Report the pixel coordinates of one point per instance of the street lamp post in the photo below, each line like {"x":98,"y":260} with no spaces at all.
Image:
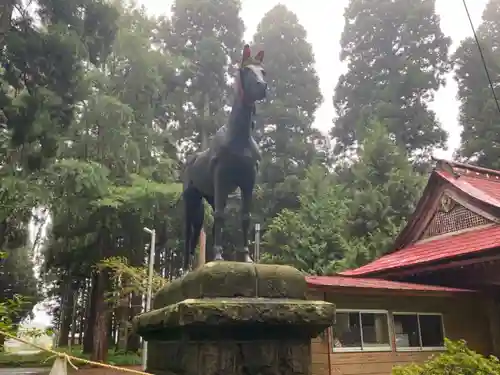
{"x":152,"y":232}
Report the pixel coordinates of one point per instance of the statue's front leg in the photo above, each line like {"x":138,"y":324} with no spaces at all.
{"x":246,"y":205}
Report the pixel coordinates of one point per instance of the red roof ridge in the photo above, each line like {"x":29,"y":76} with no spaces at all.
{"x":467,"y":187}
{"x":458,"y":169}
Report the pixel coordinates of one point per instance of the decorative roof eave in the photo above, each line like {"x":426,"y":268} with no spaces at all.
{"x":444,"y":178}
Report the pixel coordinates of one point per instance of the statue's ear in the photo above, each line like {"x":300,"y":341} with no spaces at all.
{"x":260,"y":57}
{"x":246,"y":54}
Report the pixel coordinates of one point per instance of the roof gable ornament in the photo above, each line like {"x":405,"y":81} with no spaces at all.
{"x":445,"y":166}
{"x":446,"y":203}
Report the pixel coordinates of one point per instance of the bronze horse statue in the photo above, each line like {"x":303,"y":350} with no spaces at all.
{"x":230,"y":162}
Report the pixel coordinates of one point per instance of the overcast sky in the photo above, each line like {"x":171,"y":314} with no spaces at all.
{"x":323,"y":20}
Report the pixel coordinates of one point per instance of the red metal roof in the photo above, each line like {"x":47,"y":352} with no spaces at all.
{"x":482,"y":188}
{"x":451,"y":246}
{"x":365,"y":283}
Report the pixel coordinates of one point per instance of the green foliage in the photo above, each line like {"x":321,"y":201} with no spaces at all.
{"x":129,"y":279}
{"x":310,"y":238}
{"x":397,"y":57}
{"x":457,"y":360}
{"x":19,"y":289}
{"x":8,"y":309}
{"x":39,"y":99}
{"x":347,"y":220}
{"x":478,"y":111}
{"x":383,"y":189}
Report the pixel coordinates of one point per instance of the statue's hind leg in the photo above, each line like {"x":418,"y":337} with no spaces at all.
{"x":221,"y":192}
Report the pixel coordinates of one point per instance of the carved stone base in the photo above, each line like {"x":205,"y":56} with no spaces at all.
{"x":230,"y":318}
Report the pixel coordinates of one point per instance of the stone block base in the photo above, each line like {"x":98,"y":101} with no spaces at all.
{"x":269,"y":357}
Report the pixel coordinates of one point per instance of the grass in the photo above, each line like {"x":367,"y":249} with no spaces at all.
{"x":9,"y":360}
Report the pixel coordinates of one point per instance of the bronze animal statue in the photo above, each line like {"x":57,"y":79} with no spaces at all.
{"x":230,"y":162}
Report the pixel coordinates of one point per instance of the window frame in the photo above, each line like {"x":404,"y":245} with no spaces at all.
{"x":420,"y":348}
{"x":360,"y":349}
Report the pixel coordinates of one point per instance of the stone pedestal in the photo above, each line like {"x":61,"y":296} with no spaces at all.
{"x":229,"y":318}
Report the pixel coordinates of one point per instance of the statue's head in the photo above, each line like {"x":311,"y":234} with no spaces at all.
{"x":253,"y":85}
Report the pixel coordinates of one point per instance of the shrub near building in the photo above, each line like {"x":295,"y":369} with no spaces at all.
{"x":457,"y":359}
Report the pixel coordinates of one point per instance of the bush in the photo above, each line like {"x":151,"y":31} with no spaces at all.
{"x":456,"y":360}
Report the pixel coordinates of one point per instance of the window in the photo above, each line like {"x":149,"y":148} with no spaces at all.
{"x":361,"y":330}
{"x":418,"y":331}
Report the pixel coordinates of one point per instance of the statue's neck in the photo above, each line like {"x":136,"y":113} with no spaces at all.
{"x":240,"y":120}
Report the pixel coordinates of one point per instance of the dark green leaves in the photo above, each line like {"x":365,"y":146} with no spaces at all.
{"x":397,"y":57}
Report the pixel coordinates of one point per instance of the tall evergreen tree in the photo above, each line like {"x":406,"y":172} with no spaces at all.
{"x":114,"y":176}
{"x":209,"y":34}
{"x":288,"y":142}
{"x":397,"y":57}
{"x":43,"y":56}
{"x":384,"y":190}
{"x":479,"y":115}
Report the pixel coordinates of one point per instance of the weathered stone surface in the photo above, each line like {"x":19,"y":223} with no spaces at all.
{"x":213,"y":313}
{"x":169,"y":294}
{"x":234,"y":279}
{"x":278,"y":281}
{"x":270,"y":357}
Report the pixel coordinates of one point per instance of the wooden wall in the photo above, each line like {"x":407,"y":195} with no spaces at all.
{"x":464,"y":318}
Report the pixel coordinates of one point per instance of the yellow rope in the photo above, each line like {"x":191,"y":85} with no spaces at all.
{"x":70,"y":358}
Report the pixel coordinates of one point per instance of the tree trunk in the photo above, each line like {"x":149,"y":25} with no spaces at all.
{"x":134,"y":341}
{"x":158,"y":260}
{"x":122,"y":316}
{"x":90,"y":317}
{"x":76,"y":295}
{"x":3,"y":230}
{"x":83,"y":311}
{"x":100,"y":340}
{"x":67,"y":313}
{"x":111,"y":327}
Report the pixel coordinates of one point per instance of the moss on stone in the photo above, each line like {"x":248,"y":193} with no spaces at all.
{"x":169,"y":294}
{"x":236,"y":311}
{"x":221,"y":279}
{"x":234,"y":279}
{"x":278,"y":281}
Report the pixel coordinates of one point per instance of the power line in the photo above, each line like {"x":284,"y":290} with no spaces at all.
{"x":482,"y":56}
